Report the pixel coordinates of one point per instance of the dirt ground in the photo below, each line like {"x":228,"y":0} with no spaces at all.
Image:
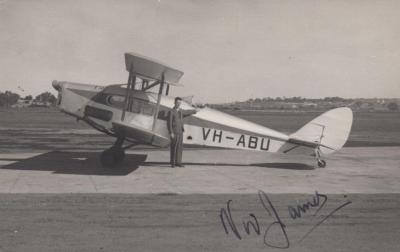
{"x":126,"y":222}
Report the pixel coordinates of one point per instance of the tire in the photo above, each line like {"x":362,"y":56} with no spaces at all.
{"x":107,"y":158}
{"x":321,"y":163}
{"x":119,"y":155}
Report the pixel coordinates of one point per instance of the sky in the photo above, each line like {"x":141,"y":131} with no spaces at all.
{"x":229,"y":50}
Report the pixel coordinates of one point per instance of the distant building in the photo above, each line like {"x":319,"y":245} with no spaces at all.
{"x":22,"y":103}
{"x":309,"y":105}
{"x":40,"y":104}
{"x":25,"y":103}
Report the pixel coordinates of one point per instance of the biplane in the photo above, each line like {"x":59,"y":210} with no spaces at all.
{"x":135,"y":113}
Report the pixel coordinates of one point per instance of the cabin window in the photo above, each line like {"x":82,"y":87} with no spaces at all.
{"x":136,"y":106}
{"x":162,"y":115}
{"x":116,"y":101}
{"x":102,"y":98}
{"x":147,"y":108}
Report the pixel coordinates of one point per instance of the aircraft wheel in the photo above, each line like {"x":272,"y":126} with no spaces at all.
{"x":112,"y":157}
{"x":119,"y":155}
{"x":321,"y":163}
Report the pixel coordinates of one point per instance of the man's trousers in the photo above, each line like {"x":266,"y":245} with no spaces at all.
{"x":176,"y":149}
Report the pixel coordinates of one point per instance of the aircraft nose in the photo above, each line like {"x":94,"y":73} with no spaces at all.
{"x":56,"y":85}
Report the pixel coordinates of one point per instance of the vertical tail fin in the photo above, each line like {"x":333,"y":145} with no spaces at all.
{"x":330,"y":129}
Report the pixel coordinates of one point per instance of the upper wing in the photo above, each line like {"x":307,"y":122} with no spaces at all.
{"x":147,"y":68}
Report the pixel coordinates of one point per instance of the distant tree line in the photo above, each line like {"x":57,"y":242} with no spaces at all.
{"x":299,"y":99}
{"x":298,"y":102}
{"x":393,"y":106}
{"x":9,"y":98}
{"x":46,"y":97}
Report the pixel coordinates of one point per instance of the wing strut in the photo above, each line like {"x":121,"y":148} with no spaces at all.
{"x":129,"y":88}
{"x":158,"y":101}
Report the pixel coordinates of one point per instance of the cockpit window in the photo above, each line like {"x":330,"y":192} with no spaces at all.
{"x":147,"y":109}
{"x":116,"y":101}
{"x":135,"y":105}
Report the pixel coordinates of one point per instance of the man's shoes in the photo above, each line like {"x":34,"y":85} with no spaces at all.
{"x":177,"y":165}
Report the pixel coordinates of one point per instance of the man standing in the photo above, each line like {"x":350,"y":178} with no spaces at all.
{"x":175,"y":128}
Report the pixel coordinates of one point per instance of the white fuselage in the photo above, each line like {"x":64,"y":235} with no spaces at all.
{"x":102,"y":106}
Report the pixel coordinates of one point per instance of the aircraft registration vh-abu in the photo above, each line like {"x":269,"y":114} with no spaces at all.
{"x":133,"y":114}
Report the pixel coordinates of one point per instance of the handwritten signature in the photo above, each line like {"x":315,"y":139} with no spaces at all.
{"x":318,"y":202}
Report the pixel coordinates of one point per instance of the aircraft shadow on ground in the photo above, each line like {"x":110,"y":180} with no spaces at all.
{"x":87,"y":163}
{"x":289,"y":166}
{"x":80,"y":163}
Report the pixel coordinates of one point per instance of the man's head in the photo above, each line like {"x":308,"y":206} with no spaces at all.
{"x":178,"y":101}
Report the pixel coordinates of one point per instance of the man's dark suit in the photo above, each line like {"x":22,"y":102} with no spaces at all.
{"x":175,"y":126}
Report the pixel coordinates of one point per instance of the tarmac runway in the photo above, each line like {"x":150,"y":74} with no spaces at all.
{"x":65,"y":201}
{"x":207,"y":171}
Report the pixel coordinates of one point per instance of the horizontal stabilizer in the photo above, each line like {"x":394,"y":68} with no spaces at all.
{"x":306,"y":143}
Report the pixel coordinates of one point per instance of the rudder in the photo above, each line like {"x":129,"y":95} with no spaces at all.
{"x":330,"y":129}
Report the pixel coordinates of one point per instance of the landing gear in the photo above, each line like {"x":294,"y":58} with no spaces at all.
{"x":114,"y":155}
{"x":320,"y":162}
